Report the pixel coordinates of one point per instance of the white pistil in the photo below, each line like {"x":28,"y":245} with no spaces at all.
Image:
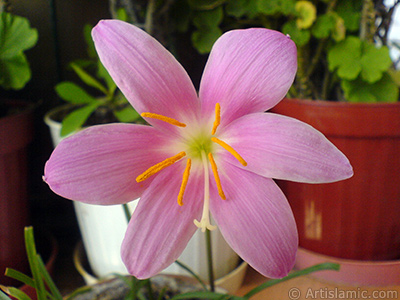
{"x":205,"y":218}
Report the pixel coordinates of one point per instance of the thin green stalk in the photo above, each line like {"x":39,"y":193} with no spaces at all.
{"x":150,"y":289}
{"x":210,"y":260}
{"x":186,"y":268}
{"x":127,"y":212}
{"x":34,"y":264}
{"x":148,"y":24}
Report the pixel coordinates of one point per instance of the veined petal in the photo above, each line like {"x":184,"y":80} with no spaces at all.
{"x":248,"y":71}
{"x":281,"y":147}
{"x":160,"y":229}
{"x":99,"y":165}
{"x":256,"y":221}
{"x":148,"y":75}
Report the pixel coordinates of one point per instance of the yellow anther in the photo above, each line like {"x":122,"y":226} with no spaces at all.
{"x":216,"y":176}
{"x":160,"y":166}
{"x":217,"y":118}
{"x":230,"y":150}
{"x":185,"y":179}
{"x":163,"y":118}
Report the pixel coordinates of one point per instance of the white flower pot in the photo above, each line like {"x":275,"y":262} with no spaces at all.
{"x":103,"y":228}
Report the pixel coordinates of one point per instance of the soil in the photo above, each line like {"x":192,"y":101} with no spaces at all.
{"x":118,"y":288}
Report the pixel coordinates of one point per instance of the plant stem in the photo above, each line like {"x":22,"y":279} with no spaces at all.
{"x":367,"y":26}
{"x":321,"y":46}
{"x":210,"y":260}
{"x":302,"y":84}
{"x":148,"y":23}
{"x":186,"y":268}
{"x":127,"y":212}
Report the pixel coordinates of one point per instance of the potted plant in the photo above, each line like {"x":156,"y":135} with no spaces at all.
{"x":16,"y":123}
{"x":103,"y":241}
{"x":161,"y":287}
{"x":347,"y":87}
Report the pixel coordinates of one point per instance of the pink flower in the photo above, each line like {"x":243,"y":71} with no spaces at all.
{"x":213,"y":152}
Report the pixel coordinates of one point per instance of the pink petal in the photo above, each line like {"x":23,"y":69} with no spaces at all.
{"x":280,"y":147}
{"x":99,"y":165}
{"x":149,"y":76}
{"x":160,"y":229}
{"x":256,"y":221}
{"x":248,"y":71}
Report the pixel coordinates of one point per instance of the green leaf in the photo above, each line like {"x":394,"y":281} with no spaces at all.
{"x":299,"y":36}
{"x":77,"y":118}
{"x":350,"y":12}
{"x":4,"y":296}
{"x":209,"y":18}
{"x":181,"y":13}
{"x":315,"y":268}
{"x":205,"y":4}
{"x":384,"y":90}
{"x":16,"y":35}
{"x":15,"y":72}
{"x":345,"y":57}
{"x":88,"y":79}
{"x":306,"y":14}
{"x":127,"y":114}
{"x":87,"y":34}
{"x":20,"y":277}
{"x":14,"y":292}
{"x":240,"y":8}
{"x":56,"y":295}
{"x":323,"y":26}
{"x":395,"y":75}
{"x":122,"y":15}
{"x":207,"y":29}
{"x":339,"y":31}
{"x":34,"y":264}
{"x":374,"y":61}
{"x":103,"y":73}
{"x":272,"y":7}
{"x":73,"y":93}
{"x":203,"y":39}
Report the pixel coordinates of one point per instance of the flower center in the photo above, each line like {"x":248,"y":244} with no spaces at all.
{"x":200,"y":147}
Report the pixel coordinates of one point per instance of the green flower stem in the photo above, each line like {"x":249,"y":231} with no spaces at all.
{"x":127,"y":212}
{"x":210,"y":261}
{"x":190,"y":271}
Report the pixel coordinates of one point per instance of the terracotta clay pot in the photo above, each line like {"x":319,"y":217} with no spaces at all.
{"x":358,"y":218}
{"x":16,"y":132}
